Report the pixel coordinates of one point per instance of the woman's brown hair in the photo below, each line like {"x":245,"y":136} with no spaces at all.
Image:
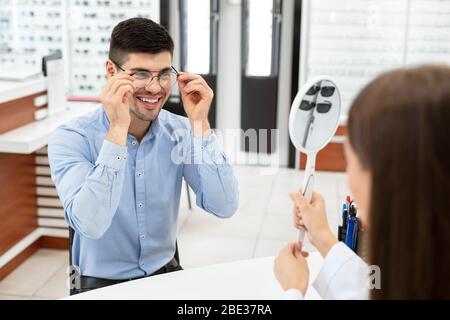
{"x":399,"y":127}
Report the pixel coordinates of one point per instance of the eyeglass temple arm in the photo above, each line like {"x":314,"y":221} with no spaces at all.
{"x":117,"y":65}
{"x":175,"y":71}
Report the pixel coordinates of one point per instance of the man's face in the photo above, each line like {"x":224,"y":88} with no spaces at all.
{"x":147,"y":101}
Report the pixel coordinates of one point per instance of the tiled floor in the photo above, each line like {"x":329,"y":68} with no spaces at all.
{"x":262,"y":225}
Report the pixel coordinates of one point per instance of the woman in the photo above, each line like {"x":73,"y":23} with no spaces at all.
{"x":398,"y":169}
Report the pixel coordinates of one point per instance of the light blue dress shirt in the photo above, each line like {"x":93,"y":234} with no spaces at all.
{"x":123,"y":201}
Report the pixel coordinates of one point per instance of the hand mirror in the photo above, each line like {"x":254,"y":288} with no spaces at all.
{"x":313,"y":121}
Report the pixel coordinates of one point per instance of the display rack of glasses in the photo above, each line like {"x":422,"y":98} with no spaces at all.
{"x":30,"y":29}
{"x":6,"y":34}
{"x":353,"y":41}
{"x":90,"y":34}
{"x":81,"y":29}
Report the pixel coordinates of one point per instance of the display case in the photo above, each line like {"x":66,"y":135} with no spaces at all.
{"x":80,"y":29}
{"x":354,"y":41}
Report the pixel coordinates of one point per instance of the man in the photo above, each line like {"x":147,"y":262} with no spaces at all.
{"x":119,"y":170}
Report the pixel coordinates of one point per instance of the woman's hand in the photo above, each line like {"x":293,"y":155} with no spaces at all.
{"x":291,"y":269}
{"x":313,"y":217}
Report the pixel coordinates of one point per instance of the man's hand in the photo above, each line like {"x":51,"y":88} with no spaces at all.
{"x":197,"y":97}
{"x":291,"y":268}
{"x":313,"y":217}
{"x":116,"y":98}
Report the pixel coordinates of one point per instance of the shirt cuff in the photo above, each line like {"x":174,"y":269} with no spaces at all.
{"x":336,"y":258}
{"x":112,"y":155}
{"x":292,"y":294}
{"x":207,"y":150}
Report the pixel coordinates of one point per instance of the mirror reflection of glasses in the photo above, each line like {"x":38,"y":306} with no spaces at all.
{"x":142,"y":78}
{"x":321,"y":107}
{"x":325,"y":91}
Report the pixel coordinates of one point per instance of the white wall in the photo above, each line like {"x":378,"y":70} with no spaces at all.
{"x":174,"y":30}
{"x":228,"y":93}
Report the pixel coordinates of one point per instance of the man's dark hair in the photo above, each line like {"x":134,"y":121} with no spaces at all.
{"x":138,"y":35}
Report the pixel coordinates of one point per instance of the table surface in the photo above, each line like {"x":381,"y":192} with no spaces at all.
{"x":240,"y":280}
{"x":35,"y":135}
{"x":11,"y":90}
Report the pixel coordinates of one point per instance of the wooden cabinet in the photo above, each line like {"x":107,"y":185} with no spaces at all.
{"x":331,"y":158}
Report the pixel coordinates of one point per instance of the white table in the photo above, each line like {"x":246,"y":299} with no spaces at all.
{"x":246,"y":279}
{"x":35,"y":135}
{"x":11,"y":90}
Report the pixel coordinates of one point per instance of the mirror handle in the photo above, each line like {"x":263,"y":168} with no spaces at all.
{"x":308,"y":187}
{"x":308,"y":179}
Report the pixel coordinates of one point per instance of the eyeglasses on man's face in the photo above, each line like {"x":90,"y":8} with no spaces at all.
{"x":143,"y":78}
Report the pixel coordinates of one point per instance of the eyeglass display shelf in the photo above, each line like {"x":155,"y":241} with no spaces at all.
{"x":33,"y":136}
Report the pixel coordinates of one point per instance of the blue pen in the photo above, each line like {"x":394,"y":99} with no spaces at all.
{"x":352,"y":229}
{"x":344,"y":214}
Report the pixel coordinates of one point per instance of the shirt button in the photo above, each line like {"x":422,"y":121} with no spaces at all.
{"x":134,"y":143}
{"x":119,"y":158}
{"x":202,"y":148}
{"x":139,"y":174}
{"x":143,"y":237}
{"x":140,"y":204}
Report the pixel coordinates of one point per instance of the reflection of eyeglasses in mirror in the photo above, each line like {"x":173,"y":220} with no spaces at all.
{"x":322,"y":107}
{"x":326,"y":91}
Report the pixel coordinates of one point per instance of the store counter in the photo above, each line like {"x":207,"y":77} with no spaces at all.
{"x":33,"y":136}
{"x":30,"y":211}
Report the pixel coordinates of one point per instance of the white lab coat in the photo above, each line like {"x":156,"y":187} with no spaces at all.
{"x":344,"y":275}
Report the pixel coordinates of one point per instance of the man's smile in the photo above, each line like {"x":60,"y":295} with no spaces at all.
{"x":149,"y":101}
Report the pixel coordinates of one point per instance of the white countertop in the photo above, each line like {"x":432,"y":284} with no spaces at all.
{"x":11,"y":90}
{"x":241,"y":280}
{"x":35,"y":135}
